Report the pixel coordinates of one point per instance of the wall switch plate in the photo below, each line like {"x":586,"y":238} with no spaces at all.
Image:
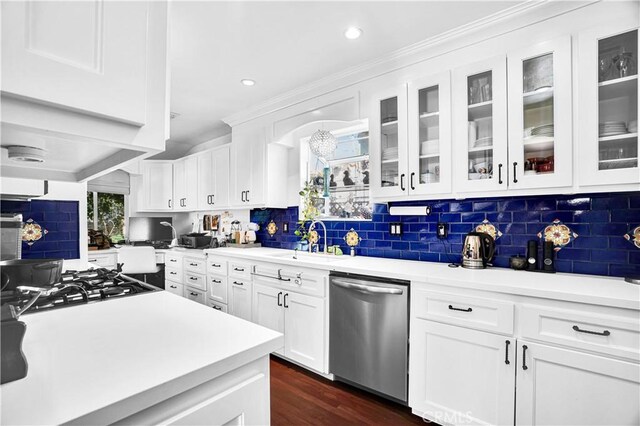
{"x":285,"y":227}
{"x":395,"y":228}
{"x":442,"y":230}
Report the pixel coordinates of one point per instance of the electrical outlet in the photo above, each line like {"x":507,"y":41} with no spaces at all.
{"x":395,"y":228}
{"x":442,"y":230}
{"x":285,"y":227}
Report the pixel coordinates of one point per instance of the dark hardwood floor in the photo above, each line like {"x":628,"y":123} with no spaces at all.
{"x":299,"y":397}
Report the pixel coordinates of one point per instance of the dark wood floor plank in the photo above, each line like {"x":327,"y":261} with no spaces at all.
{"x":299,"y":397}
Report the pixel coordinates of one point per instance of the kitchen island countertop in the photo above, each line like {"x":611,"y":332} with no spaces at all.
{"x":101,"y":362}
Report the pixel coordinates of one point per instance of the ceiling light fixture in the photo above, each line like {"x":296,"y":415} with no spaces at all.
{"x":26,"y":154}
{"x":353,"y":33}
{"x":247,"y":82}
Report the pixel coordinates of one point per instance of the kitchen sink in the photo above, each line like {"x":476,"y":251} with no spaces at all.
{"x":309,"y":257}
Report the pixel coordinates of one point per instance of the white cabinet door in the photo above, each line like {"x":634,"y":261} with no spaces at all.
{"x":240,"y":298}
{"x":607,"y":125}
{"x":388,"y":138}
{"x":304,"y":324}
{"x":566,"y":387}
{"x":221,"y":162}
{"x":480,"y":126}
{"x":206,"y":180}
{"x":248,"y":158}
{"x":540,"y":138}
{"x":429,"y":154}
{"x":87,"y":56}
{"x":268,"y":309}
{"x":185,"y":184}
{"x":461,"y":376}
{"x":157,"y":177}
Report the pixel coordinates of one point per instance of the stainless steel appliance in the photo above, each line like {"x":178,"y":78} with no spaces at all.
{"x":369,"y":333}
{"x":477,"y":250}
{"x":10,"y":236}
{"x":195,"y":241}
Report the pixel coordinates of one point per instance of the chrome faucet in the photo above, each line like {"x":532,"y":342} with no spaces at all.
{"x":324,"y":228}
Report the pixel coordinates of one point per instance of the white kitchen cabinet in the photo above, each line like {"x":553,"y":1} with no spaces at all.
{"x":298,"y":316}
{"x":240,"y":293}
{"x":461,"y":376}
{"x":540,"y":137}
{"x":185,"y":184}
{"x":157,"y":186}
{"x":103,"y":260}
{"x":388,"y":138}
{"x":480,"y":126}
{"x":259,"y":169}
{"x":607,"y":87}
{"x":566,"y":387}
{"x":213,"y":178}
{"x":429,"y":135}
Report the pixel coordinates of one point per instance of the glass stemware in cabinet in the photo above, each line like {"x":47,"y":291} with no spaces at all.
{"x":538,"y":105}
{"x":618,"y":101}
{"x":480,"y":126}
{"x":429,"y":134}
{"x":389,"y":142}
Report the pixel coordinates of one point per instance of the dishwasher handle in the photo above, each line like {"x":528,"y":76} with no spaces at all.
{"x":366,"y":288}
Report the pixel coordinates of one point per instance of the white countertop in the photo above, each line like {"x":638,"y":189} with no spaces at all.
{"x":607,"y":291}
{"x":107,"y":357}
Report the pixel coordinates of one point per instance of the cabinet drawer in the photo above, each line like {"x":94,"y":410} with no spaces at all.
{"x":239,"y":269}
{"x":172,"y":274}
{"x":195,"y":281}
{"x":216,"y":265}
{"x":300,"y":281}
{"x":199,"y":266}
{"x":195,"y":295}
{"x":174,"y":288}
{"x":607,"y":334}
{"x":159,"y":257}
{"x":217,"y":288}
{"x":473,"y":312}
{"x":217,"y":306}
{"x":173,"y":261}
{"x":103,"y":260}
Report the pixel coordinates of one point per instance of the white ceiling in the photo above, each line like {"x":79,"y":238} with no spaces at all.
{"x":284,"y":45}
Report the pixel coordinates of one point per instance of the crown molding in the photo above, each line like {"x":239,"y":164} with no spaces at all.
{"x":529,"y":12}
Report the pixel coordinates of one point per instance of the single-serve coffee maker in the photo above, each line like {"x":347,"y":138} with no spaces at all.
{"x":477,"y":250}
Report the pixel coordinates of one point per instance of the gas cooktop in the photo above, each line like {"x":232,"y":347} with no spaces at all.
{"x":77,"y":288}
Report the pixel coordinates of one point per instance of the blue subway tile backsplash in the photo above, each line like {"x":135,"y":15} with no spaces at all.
{"x":60,"y":219}
{"x":600,"y":220}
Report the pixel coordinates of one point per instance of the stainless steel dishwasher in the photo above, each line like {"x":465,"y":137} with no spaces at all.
{"x":369,"y":333}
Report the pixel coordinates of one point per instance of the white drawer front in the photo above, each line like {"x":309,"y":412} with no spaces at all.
{"x":217,"y":288}
{"x":195,"y":295}
{"x":172,"y":261}
{"x":195,"y":281}
{"x":199,"y":266}
{"x":216,"y":265}
{"x":300,"y":281}
{"x":583,"y":330}
{"x":159,"y":257}
{"x":239,"y":269}
{"x":172,"y":274}
{"x":174,"y":288}
{"x":218,"y":306}
{"x":103,"y":260}
{"x":473,"y":312}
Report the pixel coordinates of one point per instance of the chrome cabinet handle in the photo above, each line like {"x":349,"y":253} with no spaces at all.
{"x":193,"y":264}
{"x":506,"y":352}
{"x":402,"y":181}
{"x":173,"y":286}
{"x":500,"y":174}
{"x":460,"y":309}
{"x":213,"y":199}
{"x":412,"y":175}
{"x":169,"y":203}
{"x":597,"y":333}
{"x":193,"y":294}
{"x":217,"y":308}
{"x":238,"y":269}
{"x":237,"y":283}
{"x":515,"y":170}
{"x":367,"y":288}
{"x":279,"y":294}
{"x":173,"y":260}
{"x":215,"y":265}
{"x":193,"y":278}
{"x":217,"y":281}
{"x":93,"y":260}
{"x":524,"y":357}
{"x":285,"y":300}
{"x":173,"y":273}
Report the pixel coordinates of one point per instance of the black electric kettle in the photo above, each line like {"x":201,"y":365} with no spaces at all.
{"x":477,"y":250}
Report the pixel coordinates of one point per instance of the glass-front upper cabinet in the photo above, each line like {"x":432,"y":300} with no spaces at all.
{"x":388,"y":133}
{"x":608,"y":109}
{"x":540,"y":142}
{"x":480,"y":126}
{"x":429,"y":133}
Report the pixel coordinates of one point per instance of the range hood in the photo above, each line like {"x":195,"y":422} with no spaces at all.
{"x":22,"y":189}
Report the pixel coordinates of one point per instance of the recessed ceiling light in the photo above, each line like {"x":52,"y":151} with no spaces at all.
{"x":247,"y":82}
{"x":353,"y":33}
